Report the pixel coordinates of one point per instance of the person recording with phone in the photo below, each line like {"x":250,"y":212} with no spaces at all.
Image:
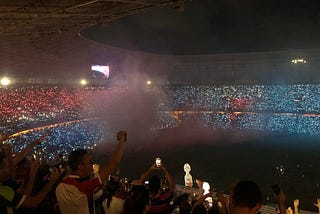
{"x":160,"y":200}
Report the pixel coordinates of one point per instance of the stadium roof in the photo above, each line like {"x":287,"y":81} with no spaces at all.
{"x":42,"y":36}
{"x":218,"y":26}
{"x":51,"y":36}
{"x":38,"y":18}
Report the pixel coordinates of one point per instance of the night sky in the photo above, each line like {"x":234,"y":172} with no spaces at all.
{"x":217,"y":26}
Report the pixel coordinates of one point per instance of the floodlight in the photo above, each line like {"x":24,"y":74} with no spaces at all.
{"x":149,"y":82}
{"x":5,"y":81}
{"x":298,"y":61}
{"x":83,"y":82}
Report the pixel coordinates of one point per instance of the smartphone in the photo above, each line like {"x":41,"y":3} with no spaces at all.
{"x":276,"y":189}
{"x":158,"y":162}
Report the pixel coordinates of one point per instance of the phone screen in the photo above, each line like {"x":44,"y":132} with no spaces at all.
{"x":158,"y":162}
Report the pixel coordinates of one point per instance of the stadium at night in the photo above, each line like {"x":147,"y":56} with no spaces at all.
{"x":249,"y":114}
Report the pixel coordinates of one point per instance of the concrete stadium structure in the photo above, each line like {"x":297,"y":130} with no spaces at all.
{"x":66,"y":62}
{"x":37,"y":52}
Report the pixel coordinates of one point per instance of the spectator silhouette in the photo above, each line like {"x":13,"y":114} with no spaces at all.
{"x":114,"y":201}
{"x":246,"y":198}
{"x":75,"y":192}
{"x":160,"y":200}
{"x":137,"y":201}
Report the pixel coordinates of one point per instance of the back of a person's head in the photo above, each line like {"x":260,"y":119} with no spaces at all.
{"x":181,"y":198}
{"x":200,"y":209}
{"x":246,"y":194}
{"x":112,"y":186}
{"x":214,"y":209}
{"x":154,"y":184}
{"x":137,"y":200}
{"x":75,"y":158}
{"x":185,"y":207}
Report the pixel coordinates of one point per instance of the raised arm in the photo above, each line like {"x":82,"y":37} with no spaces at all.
{"x":8,"y":151}
{"x":106,"y":170}
{"x":282,"y":202}
{"x":202,"y":199}
{"x":145,"y":175}
{"x":32,"y":176}
{"x":34,"y":201}
{"x":296,"y":206}
{"x":318,"y":205}
{"x":21,"y":155}
{"x":172,"y":184}
{"x":200,"y":184}
{"x":222,"y":206}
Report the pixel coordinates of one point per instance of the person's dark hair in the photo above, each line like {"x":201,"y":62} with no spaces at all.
{"x":181,"y":198}
{"x":111,"y":188}
{"x":2,"y":157}
{"x":154,"y":184}
{"x":136,"y":201}
{"x":185,"y":207}
{"x":214,"y":209}
{"x":75,"y":158}
{"x":247,"y":194}
{"x":200,"y":209}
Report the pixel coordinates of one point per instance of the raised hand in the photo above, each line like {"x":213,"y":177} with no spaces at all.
{"x":54,"y":175}
{"x":122,"y":136}
{"x":34,"y":167}
{"x":41,"y":138}
{"x":318,"y":204}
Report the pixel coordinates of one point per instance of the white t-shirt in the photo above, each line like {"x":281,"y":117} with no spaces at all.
{"x":116,"y":206}
{"x":76,"y":196}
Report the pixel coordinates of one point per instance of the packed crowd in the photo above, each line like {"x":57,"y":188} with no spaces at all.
{"x":290,"y":108}
{"x":77,"y":185}
{"x":26,"y":106}
{"x":62,"y":138}
{"x":68,"y":116}
{"x":266,"y":98}
{"x":39,"y":174}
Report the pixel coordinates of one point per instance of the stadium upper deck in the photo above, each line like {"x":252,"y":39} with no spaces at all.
{"x":58,"y":66}
{"x":32,"y":48}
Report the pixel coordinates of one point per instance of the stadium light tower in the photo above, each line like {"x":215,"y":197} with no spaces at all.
{"x":5,"y":81}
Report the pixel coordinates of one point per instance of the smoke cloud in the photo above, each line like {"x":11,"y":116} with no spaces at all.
{"x":130,"y":104}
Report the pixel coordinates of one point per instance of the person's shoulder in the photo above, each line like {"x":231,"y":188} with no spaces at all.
{"x":67,"y":189}
{"x":166,"y":194}
{"x":70,"y":179}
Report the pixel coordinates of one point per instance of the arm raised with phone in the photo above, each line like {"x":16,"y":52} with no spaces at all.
{"x":158,"y":164}
{"x":115,"y":159}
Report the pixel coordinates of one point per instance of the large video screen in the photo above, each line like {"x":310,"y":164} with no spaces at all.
{"x":100,"y":71}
